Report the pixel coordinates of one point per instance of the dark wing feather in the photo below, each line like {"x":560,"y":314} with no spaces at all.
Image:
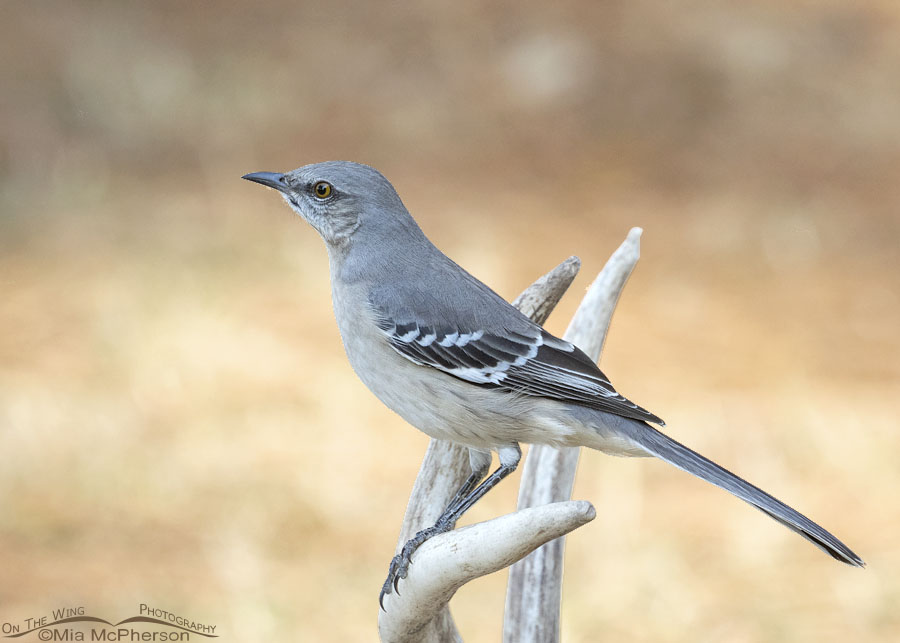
{"x":536,"y":364}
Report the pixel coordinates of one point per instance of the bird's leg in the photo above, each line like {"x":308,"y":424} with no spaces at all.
{"x":467,"y":496}
{"x":480,"y":464}
{"x":471,"y":482}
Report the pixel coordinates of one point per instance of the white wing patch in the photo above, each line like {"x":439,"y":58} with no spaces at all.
{"x":533,"y":364}
{"x":480,"y":363}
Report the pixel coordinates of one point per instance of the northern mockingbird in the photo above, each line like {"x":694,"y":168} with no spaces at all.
{"x":459,"y":363}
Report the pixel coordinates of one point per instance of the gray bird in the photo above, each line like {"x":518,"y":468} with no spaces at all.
{"x":459,"y":363}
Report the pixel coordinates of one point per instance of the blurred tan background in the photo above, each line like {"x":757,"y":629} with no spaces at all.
{"x":179,"y":426}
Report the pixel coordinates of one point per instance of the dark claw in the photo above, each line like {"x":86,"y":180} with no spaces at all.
{"x":400,"y":563}
{"x":390,"y":585}
{"x":465,"y":498}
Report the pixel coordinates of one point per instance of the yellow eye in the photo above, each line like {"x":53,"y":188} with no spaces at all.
{"x":322,"y":189}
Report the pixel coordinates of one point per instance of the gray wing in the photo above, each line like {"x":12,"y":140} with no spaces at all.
{"x":529,"y":361}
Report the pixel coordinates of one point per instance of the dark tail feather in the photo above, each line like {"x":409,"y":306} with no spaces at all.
{"x":679,"y":455}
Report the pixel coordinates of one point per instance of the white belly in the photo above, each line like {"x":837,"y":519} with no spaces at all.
{"x":438,"y":404}
{"x":448,"y":408}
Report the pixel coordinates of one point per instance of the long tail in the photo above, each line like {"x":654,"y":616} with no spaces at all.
{"x":679,"y":455}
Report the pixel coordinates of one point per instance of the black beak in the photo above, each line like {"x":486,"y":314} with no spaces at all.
{"x":269,"y":179}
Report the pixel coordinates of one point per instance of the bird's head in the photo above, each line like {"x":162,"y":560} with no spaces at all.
{"x":339,"y":197}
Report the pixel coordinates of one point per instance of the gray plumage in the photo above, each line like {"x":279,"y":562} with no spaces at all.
{"x":457,"y":361}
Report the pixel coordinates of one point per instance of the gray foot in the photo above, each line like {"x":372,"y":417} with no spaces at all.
{"x":400,"y":563}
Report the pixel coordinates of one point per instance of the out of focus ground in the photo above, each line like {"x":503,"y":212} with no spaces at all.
{"x":178,"y":424}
